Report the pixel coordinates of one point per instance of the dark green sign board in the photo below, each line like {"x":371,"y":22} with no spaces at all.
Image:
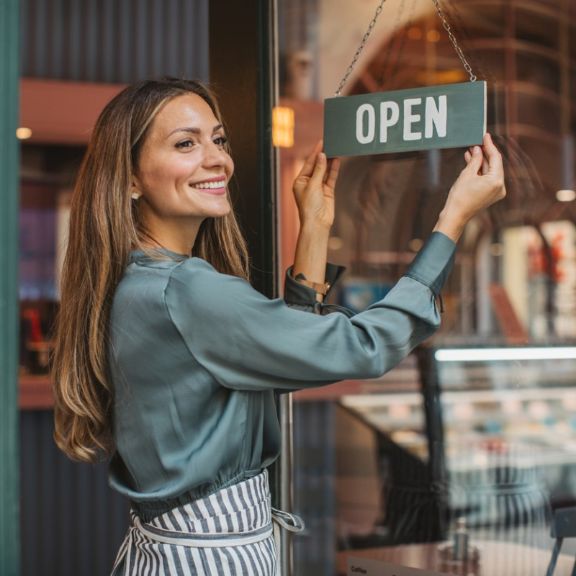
{"x":448,"y":116}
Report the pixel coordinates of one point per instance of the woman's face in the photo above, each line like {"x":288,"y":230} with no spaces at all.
{"x":183,"y":169}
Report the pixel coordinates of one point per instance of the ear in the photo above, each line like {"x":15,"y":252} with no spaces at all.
{"x":134,"y":191}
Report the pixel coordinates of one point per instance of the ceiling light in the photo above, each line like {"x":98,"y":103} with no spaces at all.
{"x":23,"y":133}
{"x":506,"y":354}
{"x":283,"y":126}
{"x":565,"y":195}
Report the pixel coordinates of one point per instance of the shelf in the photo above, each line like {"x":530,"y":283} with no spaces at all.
{"x":520,"y":394}
{"x":35,"y":392}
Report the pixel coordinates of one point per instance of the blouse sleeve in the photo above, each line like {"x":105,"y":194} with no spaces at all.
{"x":302,"y":297}
{"x":249,"y":342}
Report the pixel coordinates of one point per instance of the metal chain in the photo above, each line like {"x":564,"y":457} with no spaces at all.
{"x":446,"y":26}
{"x":360,"y":48}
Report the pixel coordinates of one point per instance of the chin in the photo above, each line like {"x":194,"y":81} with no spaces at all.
{"x":223,"y":211}
{"x":220,"y":213}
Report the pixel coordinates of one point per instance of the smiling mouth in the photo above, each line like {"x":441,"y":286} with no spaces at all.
{"x":216,"y":185}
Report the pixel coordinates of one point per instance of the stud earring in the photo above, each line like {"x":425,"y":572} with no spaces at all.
{"x":135,"y":195}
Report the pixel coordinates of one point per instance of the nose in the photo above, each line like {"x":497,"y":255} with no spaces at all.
{"x":214,"y":155}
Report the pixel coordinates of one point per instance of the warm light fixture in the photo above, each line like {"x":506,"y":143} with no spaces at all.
{"x":509,"y":354}
{"x":415,"y":244}
{"x":433,"y":36}
{"x":565,"y":195}
{"x":283,"y":127}
{"x":23,"y":133}
{"x":414,"y":33}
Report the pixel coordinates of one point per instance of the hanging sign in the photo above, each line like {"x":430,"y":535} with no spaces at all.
{"x":448,"y":116}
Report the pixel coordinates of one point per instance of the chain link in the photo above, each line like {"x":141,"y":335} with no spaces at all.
{"x":360,"y":48}
{"x":452,"y":38}
{"x":445,"y":24}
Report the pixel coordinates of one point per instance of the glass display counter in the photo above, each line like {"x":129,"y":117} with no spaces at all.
{"x":485,"y":448}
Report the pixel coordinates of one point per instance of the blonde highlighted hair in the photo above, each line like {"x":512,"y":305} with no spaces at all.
{"x":104,"y":228}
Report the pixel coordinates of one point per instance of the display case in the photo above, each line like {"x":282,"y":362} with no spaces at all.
{"x":487,"y":442}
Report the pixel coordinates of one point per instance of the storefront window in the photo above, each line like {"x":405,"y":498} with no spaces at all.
{"x":460,"y":459}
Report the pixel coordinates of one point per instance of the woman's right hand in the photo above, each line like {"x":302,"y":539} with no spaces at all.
{"x":479,"y":185}
{"x":314,"y":190}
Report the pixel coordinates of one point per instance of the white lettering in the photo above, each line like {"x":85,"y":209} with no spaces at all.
{"x":410,"y":118}
{"x":365,"y":137}
{"x":436,"y":116}
{"x":389,"y":115}
{"x":432,"y":121}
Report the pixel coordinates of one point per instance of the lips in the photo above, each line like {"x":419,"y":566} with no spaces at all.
{"x":213,"y":186}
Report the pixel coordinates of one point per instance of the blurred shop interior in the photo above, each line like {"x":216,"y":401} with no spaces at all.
{"x":474,"y":435}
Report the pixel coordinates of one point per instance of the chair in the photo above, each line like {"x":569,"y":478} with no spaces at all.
{"x":563,"y":526}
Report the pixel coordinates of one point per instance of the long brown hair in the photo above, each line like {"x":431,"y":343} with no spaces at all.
{"x":104,"y":228}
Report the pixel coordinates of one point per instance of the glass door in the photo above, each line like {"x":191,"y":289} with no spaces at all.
{"x":444,"y":466}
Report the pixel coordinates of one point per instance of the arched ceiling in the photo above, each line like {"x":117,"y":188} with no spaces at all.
{"x":523,"y":48}
{"x":343,"y":23}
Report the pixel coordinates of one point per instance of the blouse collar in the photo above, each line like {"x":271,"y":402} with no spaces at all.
{"x":159,"y":254}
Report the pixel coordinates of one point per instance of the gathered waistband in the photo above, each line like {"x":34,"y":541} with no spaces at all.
{"x":147,"y":510}
{"x":238,"y":508}
{"x":240,"y":515}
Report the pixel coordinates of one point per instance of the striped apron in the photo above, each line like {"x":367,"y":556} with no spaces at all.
{"x":233,"y":532}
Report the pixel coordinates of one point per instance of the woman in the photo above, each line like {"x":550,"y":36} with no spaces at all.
{"x":166,"y":359}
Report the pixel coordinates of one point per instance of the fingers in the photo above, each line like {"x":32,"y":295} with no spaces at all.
{"x":310,"y":162}
{"x":485,"y":166}
{"x":333,"y":169}
{"x":474,"y":159}
{"x":493,"y":156}
{"x":319,"y":170}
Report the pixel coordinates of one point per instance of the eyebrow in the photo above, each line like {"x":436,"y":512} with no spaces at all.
{"x":196,"y":131}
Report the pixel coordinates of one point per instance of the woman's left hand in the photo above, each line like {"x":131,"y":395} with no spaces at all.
{"x":314,"y":189}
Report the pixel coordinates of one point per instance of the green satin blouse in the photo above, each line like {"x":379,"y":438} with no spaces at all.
{"x":195,"y":357}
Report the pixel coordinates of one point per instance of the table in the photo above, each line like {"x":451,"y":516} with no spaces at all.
{"x":496,"y":559}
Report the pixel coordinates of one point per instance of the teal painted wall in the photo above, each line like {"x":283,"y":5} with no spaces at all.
{"x":9,"y":168}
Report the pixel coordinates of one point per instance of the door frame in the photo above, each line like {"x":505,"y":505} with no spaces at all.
{"x":9,"y":302}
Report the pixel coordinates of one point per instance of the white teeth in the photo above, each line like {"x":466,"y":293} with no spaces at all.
{"x":210,"y":185}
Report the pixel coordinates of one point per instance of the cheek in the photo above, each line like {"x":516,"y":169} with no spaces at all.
{"x":168,"y":173}
{"x":229,"y":167}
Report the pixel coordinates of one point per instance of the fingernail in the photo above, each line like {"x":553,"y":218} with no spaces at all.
{"x":476,"y":150}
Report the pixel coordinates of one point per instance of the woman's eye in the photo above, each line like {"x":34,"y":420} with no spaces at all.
{"x":220,"y":141}
{"x":185,"y":144}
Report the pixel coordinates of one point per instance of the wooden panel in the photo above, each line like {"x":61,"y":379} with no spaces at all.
{"x":114,"y":42}
{"x":35,"y":393}
{"x":245,"y":88}
{"x":72,"y":522}
{"x":62,"y":112}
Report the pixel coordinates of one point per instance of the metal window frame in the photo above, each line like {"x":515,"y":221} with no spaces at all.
{"x":244,"y":74}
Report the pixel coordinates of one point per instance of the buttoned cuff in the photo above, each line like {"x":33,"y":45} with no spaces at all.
{"x":300,"y":296}
{"x":434,"y":262}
